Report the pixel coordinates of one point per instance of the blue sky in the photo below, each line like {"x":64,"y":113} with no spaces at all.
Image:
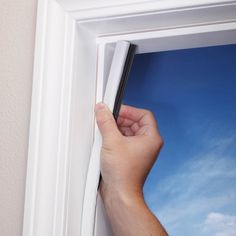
{"x":192,"y":93}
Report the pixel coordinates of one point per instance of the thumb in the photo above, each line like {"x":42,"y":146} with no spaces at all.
{"x":105,"y":121}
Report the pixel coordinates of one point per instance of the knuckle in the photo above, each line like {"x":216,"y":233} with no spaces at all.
{"x":158,"y":142}
{"x":103,"y":118}
{"x":105,"y":121}
{"x":150,"y":115}
{"x":148,"y":112}
{"x":161,"y":142}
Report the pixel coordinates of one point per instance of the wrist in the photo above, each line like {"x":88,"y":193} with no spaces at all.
{"x":122,"y":197}
{"x":128,"y":212}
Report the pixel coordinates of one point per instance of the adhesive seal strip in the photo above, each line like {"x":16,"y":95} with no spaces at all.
{"x":118,"y":76}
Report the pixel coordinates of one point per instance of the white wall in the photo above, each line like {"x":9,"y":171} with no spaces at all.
{"x":17,"y":30}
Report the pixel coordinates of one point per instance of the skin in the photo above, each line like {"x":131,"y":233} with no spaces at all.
{"x":129,"y":150}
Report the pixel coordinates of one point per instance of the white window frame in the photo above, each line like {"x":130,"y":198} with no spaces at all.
{"x":73,"y":50}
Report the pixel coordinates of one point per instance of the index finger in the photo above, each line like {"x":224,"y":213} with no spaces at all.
{"x":141,"y":116}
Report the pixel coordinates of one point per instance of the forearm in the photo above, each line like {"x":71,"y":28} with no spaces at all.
{"x":129,"y":214}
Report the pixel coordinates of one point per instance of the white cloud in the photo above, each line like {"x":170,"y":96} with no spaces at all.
{"x":220,"y":224}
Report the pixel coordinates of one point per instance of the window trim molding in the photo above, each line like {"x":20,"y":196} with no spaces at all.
{"x":73,"y":48}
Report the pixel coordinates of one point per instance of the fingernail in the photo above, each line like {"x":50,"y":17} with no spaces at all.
{"x":100,"y":106}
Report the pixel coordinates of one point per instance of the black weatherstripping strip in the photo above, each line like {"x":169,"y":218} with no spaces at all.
{"x":123,"y":82}
{"x":124,"y":79}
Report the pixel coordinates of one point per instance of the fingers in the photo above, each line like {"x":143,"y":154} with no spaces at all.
{"x":138,"y":121}
{"x":132,"y":121}
{"x":126,"y":131}
{"x":128,"y":126}
{"x":121,"y":121}
{"x":129,"y":115}
{"x":105,"y":121}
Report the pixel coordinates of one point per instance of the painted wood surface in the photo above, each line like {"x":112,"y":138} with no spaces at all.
{"x":72,"y":59}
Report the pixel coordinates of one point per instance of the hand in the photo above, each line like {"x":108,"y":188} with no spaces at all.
{"x":129,"y":150}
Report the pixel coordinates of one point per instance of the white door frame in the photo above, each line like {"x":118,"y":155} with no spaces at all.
{"x":73,"y":50}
